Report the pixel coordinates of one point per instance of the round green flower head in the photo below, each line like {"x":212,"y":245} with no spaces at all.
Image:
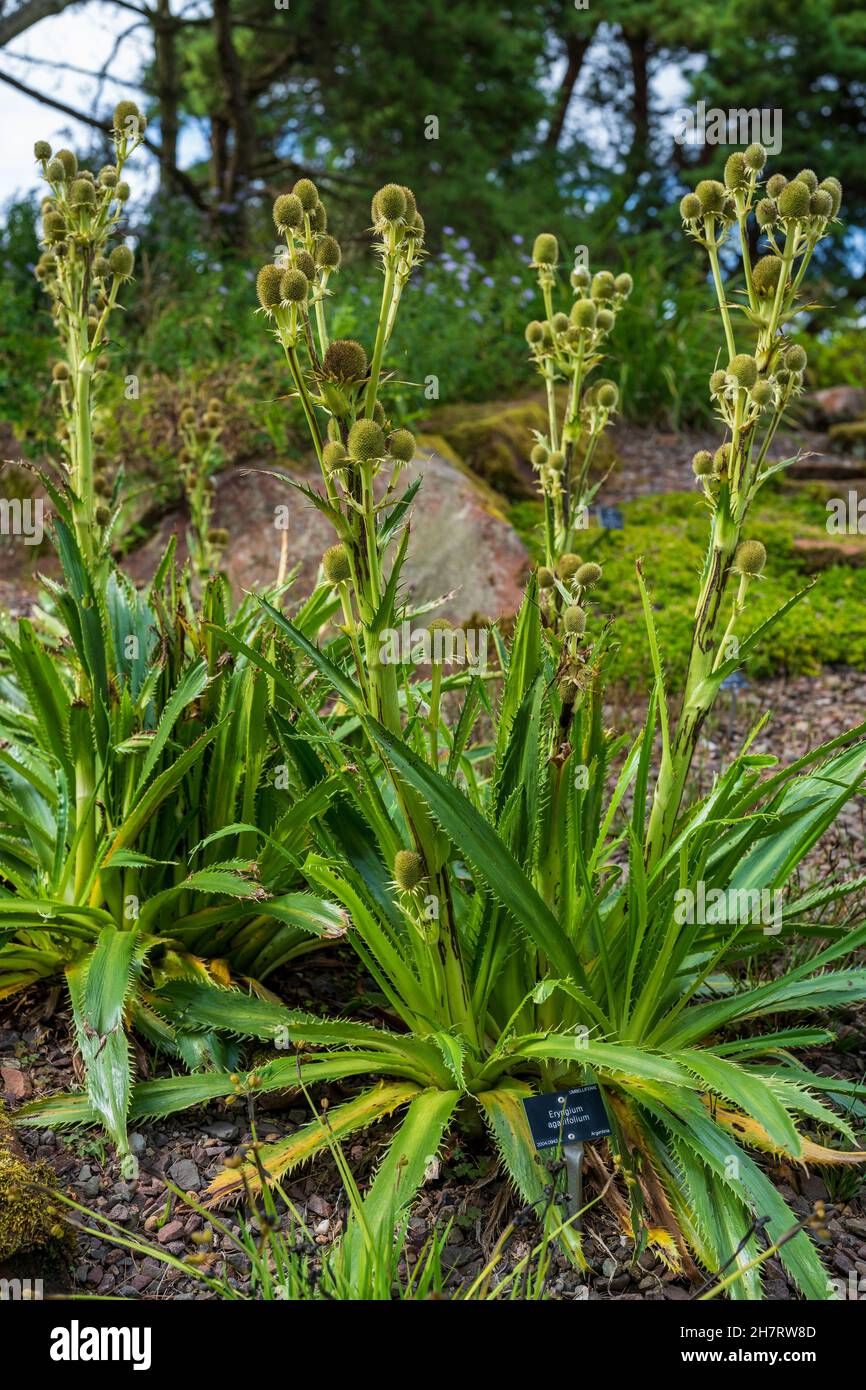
{"x":345,"y":360}
{"x":366,"y":440}
{"x":567,"y":565}
{"x":82,"y":194}
{"x":268,"y":286}
{"x":294,"y":286}
{"x":556,"y":461}
{"x":102,"y":514}
{"x":690,"y":207}
{"x":755,"y":157}
{"x":218,"y":536}
{"x":775,"y":184}
{"x":108,"y":177}
{"x":534,"y":332}
{"x":545,"y":250}
{"x":580,"y":278}
{"x":834,"y":188}
{"x":607,"y":395}
{"x":288,"y":212}
{"x":711,"y":195}
{"x":702,"y":463}
{"x":545,"y":577}
{"x":69,"y":162}
{"x":809,"y":178}
{"x":307,"y":194}
{"x":410,"y":216}
{"x":718,"y":382}
{"x":736,"y":173}
{"x":408,"y":869}
{"x":603,"y":285}
{"x":391,"y":202}
{"x":122,"y":192}
{"x":588,"y":574}
{"x":328,"y":253}
{"x":765,"y":274}
{"x":42,"y":150}
{"x":306,"y":265}
{"x":401,"y":445}
{"x":721,"y":458}
{"x":335,"y":564}
{"x":55,"y":171}
{"x":583,"y":313}
{"x":750,"y":558}
{"x":560,"y":323}
{"x":539,"y":455}
{"x":794,"y":200}
{"x":333,"y":456}
{"x":624,"y":283}
{"x":121,"y":262}
{"x":821,"y":203}
{"x":795,"y":358}
{"x":319,"y":218}
{"x":761,"y":393}
{"x":767,"y":213}
{"x":128,"y":120}
{"x":604,"y":320}
{"x":574,"y":620}
{"x":60,"y":371}
{"x":744,"y":370}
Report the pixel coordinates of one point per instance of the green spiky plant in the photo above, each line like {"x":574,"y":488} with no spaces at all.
{"x":501,"y":894}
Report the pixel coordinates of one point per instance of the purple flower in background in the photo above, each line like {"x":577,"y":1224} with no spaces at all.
{"x":459,"y":303}
{"x":516,"y":280}
{"x":476,"y":315}
{"x":448,"y":231}
{"x":528,"y":294}
{"x":488,"y":281}
{"x":517,"y":239}
{"x":462,"y":243}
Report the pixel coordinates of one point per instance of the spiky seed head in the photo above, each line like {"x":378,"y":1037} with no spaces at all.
{"x":783,"y":376}
{"x":345,"y":360}
{"x":107,"y":176}
{"x":755,"y":157}
{"x":767,"y":213}
{"x":711,"y":195}
{"x":809,"y":178}
{"x":736,"y":173}
{"x":545,"y":577}
{"x":319,"y":218}
{"x":559,"y":323}
{"x":556,"y":461}
{"x":607,"y":395}
{"x":54,"y":171}
{"x":288,"y":212}
{"x":401,"y":445}
{"x":128,"y":119}
{"x":218,"y":536}
{"x":721,"y":458}
{"x":69,"y":162}
{"x":328,"y":253}
{"x":795,"y":358}
{"x":307,"y":194}
{"x":545,"y":250}
{"x":567,"y":565}
{"x":366,"y":440}
{"x":690,"y":207}
{"x":718,"y":382}
{"x":821,"y":203}
{"x":794,"y":200}
{"x":539,"y":455}
{"x":391,"y":202}
{"x":624,"y":284}
{"x":534,"y":332}
{"x":702,"y":463}
{"x":379,"y":414}
{"x":294,"y":285}
{"x":580,"y":278}
{"x":121,"y":262}
{"x":775,"y":184}
{"x":408,"y":869}
{"x":583,"y":313}
{"x":81,"y":194}
{"x":333,"y":456}
{"x":574,"y":620}
{"x":765,"y":274}
{"x":122,"y":192}
{"x":603,"y":285}
{"x":268,"y":286}
{"x":588,"y":574}
{"x":744,"y":369}
{"x":306,"y":265}
{"x":834,"y":188}
{"x":335,"y":564}
{"x":761,"y":393}
{"x":54,"y":227}
{"x":605,"y":320}
{"x":60,"y":371}
{"x":42,"y":149}
{"x":750,"y":558}
{"x":411,"y":206}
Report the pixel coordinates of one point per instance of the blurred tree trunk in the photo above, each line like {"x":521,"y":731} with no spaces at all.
{"x":575,"y":50}
{"x":232,"y":136}
{"x":167,"y":93}
{"x":638,"y":44}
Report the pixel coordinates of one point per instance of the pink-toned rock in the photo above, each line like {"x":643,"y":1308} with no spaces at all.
{"x":836,"y":404}
{"x":172,"y":1230}
{"x":820,"y":554}
{"x":16,"y":1083}
{"x":462,"y":548}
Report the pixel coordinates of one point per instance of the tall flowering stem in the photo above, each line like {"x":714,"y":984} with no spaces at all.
{"x":751,"y":395}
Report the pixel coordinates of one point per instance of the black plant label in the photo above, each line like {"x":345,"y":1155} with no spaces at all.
{"x":567,"y":1116}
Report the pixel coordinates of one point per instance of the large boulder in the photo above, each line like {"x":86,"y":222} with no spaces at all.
{"x":462,"y":548}
{"x":835,"y":405}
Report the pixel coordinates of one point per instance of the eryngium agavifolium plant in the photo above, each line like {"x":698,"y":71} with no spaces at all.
{"x":502,"y":898}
